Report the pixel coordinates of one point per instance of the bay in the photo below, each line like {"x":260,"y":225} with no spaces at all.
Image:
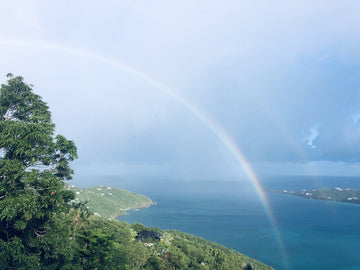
{"x":314,"y":234}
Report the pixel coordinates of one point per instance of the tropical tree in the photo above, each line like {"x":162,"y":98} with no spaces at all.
{"x":34,"y":163}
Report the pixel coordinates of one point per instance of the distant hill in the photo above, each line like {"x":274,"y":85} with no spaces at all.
{"x":346,"y":195}
{"x":109,"y":202}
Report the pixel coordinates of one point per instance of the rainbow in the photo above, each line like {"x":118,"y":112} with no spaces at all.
{"x":215,"y":128}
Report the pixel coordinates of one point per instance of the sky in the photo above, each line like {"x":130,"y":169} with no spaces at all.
{"x":146,"y":88}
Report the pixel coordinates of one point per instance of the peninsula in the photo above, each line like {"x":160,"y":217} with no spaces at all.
{"x":337,"y":194}
{"x":110,"y":202}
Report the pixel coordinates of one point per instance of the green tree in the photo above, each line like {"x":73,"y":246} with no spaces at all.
{"x":139,"y":254}
{"x":34,"y":163}
{"x":103,"y":244}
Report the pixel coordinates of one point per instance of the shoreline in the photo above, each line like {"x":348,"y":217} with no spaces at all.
{"x":338,"y":195}
{"x":140,"y":207}
{"x":110,"y":202}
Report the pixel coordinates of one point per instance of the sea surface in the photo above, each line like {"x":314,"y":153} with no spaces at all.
{"x":299,"y":233}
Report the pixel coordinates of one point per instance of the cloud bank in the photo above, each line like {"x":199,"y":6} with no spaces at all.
{"x":264,"y":71}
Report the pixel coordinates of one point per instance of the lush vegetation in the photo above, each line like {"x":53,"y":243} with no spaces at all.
{"x":33,"y":166}
{"x":196,"y":253}
{"x":43,"y":227}
{"x":329,"y":194}
{"x":109,"y":202}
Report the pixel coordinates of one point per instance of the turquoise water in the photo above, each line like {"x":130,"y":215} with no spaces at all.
{"x":316,"y":234}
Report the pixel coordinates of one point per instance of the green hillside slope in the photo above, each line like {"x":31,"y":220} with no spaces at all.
{"x":111,"y":244}
{"x":198,"y":253}
{"x":109,"y":202}
{"x":174,"y":249}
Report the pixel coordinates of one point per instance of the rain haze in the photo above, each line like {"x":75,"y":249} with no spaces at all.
{"x":166,"y":89}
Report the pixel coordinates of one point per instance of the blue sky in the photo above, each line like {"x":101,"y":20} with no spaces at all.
{"x":281,"y":77}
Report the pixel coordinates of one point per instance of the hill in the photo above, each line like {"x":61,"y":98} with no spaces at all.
{"x":329,"y":194}
{"x":110,"y":244}
{"x":109,"y":202}
{"x":198,"y":253}
{"x":171,"y":250}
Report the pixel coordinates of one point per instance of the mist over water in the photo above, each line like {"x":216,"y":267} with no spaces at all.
{"x":316,"y":234}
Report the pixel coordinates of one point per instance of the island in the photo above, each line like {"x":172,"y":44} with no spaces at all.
{"x":346,"y":195}
{"x":109,"y":202}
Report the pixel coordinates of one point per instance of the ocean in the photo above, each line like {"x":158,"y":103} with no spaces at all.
{"x":308,"y":234}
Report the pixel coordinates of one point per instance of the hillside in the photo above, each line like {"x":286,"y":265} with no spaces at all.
{"x":111,"y":244}
{"x":329,"y":194}
{"x":173,"y":249}
{"x":198,"y":253}
{"x":109,"y":202}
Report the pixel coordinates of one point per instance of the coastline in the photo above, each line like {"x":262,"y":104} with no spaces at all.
{"x":110,"y":202}
{"x":337,"y":195}
{"x":133,"y":208}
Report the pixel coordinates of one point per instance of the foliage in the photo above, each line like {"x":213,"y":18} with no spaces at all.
{"x":102,"y":244}
{"x":110,"y":244}
{"x":110,"y":202}
{"x":191,"y":252}
{"x":33,"y":166}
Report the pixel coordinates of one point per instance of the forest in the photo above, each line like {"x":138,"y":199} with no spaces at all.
{"x":42,"y":226}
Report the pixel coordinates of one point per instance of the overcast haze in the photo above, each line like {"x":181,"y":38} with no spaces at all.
{"x":281,"y":77}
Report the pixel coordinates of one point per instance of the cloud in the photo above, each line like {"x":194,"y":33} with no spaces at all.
{"x":311,"y":135}
{"x":265,"y":71}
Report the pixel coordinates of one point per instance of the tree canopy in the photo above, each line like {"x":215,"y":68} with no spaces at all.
{"x":33,"y":166}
